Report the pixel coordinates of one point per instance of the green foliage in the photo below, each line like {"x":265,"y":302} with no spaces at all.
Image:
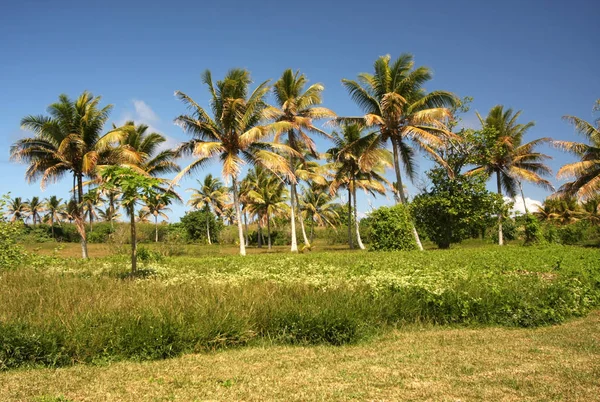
{"x":100,"y":233}
{"x":454,"y":208}
{"x":194,"y":223}
{"x":391,"y":229}
{"x":11,"y":253}
{"x":509,"y":230}
{"x":197,"y":304}
{"x":533,"y":230}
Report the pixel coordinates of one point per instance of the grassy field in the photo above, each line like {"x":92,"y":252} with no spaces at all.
{"x":417,"y":363}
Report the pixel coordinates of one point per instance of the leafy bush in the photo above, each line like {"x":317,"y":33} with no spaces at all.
{"x":11,"y":254}
{"x":100,"y":233}
{"x":194,"y":222}
{"x":391,"y":229}
{"x":532,"y":230}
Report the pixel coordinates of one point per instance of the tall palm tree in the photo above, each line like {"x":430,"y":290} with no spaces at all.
{"x":299,"y":108}
{"x":17,"y":209}
{"x":157,"y":206}
{"x":211,"y":194}
{"x":67,"y":142}
{"x":55,"y":211}
{"x":358,"y":161}
{"x":267,"y":197}
{"x":586,"y":172}
{"x":34,"y":208}
{"x":233,"y":135}
{"x":318,"y":207}
{"x":91,"y":200}
{"x":507,"y":156}
{"x":394,"y":101}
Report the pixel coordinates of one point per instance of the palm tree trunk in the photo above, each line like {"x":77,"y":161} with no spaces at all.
{"x":52,"y":223}
{"x":238,"y":214}
{"x":294,"y":247}
{"x":133,"y":239}
{"x":400,"y":190}
{"x":155,"y":228}
{"x":350,"y":242}
{"x":523,"y":197}
{"x":269,"y":231}
{"x":208,"y":228}
{"x":259,"y":232}
{"x":500,"y":235}
{"x":91,"y":219}
{"x":358,"y":239}
{"x":246,"y":226}
{"x":79,"y":216}
{"x":312,"y":229}
{"x":304,"y":237}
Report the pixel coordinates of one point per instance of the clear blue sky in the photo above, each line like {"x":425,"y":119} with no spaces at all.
{"x":538,"y":56}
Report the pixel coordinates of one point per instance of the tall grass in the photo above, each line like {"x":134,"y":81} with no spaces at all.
{"x":82,"y":312}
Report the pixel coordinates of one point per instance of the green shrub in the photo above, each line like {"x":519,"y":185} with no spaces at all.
{"x":194,"y":222}
{"x":532,"y":230}
{"x":391,"y":229}
{"x":11,"y":254}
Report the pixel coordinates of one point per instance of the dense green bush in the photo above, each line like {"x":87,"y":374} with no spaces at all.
{"x":532,"y":230}
{"x":391,"y":229}
{"x":11,"y":254}
{"x":195,"y":224}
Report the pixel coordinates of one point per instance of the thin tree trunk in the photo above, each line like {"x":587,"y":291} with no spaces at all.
{"x":400,"y":190}
{"x":304,"y":237}
{"x":155,"y":228}
{"x":269,"y":231}
{"x":523,"y":197}
{"x":238,"y":214}
{"x":91,"y":219}
{"x":358,"y":239}
{"x":208,"y":227}
{"x":500,"y":235}
{"x":312,"y":229}
{"x":294,"y":247}
{"x":79,"y":209}
{"x":133,"y":239}
{"x":259,"y":237}
{"x":350,"y":242}
{"x":52,"y":223}
{"x":246,"y":226}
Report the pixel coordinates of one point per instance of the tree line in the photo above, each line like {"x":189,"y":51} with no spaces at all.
{"x":400,"y":121}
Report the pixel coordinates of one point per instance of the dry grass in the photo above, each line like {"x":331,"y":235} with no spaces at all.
{"x":551,"y":363}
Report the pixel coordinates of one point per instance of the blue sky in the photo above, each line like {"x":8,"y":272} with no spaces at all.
{"x":537,"y":56}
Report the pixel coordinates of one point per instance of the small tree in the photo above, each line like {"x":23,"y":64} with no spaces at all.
{"x":134,"y":188}
{"x":454,"y":207}
{"x":392,"y":229}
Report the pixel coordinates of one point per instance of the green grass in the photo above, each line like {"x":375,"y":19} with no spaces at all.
{"x":64,"y":311}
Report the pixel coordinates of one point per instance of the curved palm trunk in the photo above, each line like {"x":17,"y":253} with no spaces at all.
{"x":269,"y":231}
{"x":79,"y":218}
{"x":523,"y":197}
{"x":259,"y":237}
{"x":500,"y":235}
{"x":400,"y":190}
{"x":304,"y":237}
{"x":133,"y":239}
{"x":238,"y":214}
{"x":350,"y":242}
{"x":208,"y":229}
{"x":294,"y":247}
{"x":358,"y":239}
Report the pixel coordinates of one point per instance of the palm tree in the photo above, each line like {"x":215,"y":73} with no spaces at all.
{"x":508,"y":158}
{"x":143,"y":216}
{"x":211,"y":194}
{"x":586,"y":172}
{"x":561,"y":210}
{"x":298,"y":108}
{"x":233,"y":134}
{"x":157,"y":206}
{"x":358,"y":161}
{"x":91,"y":200}
{"x":394,"y":101}
{"x":267,"y":197}
{"x":111,"y":212}
{"x":318,"y":206}
{"x":17,"y":209}
{"x":34,"y":208}
{"x":69,"y":141}
{"x":55,"y":211}
{"x":591,"y":210}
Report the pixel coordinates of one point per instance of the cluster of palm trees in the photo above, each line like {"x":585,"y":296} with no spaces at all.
{"x":277,"y":141}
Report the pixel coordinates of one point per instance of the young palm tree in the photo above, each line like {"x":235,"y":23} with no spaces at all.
{"x":267,"y":197}
{"x":298,"y":107}
{"x":211,"y":194}
{"x":561,"y":210}
{"x":157,"y":206}
{"x":508,"y":158}
{"x":91,"y":200}
{"x":394,"y":101}
{"x":318,"y":206}
{"x":586,"y":172}
{"x":34,"y":208}
{"x":69,"y":141}
{"x":17,"y":209}
{"x":143,"y":216}
{"x":111,"y":212}
{"x":55,"y":211}
{"x":358,"y":161}
{"x":233,"y":134}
